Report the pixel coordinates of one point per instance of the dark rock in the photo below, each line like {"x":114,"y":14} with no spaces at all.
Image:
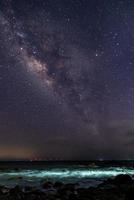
{"x":5,"y":190}
{"x":73,"y":196}
{"x":84,"y":193}
{"x":66,"y":191}
{"x":28,"y":189}
{"x":118,"y":180}
{"x":16,"y":193}
{"x":123,"y":179}
{"x":70,"y":186}
{"x":15,"y":190}
{"x":35,"y":195}
{"x":130,"y":194}
{"x":47,"y":185}
{"x":118,"y":188}
{"x":58,"y":184}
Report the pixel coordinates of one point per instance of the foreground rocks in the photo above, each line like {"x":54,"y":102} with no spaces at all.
{"x":119,"y":188}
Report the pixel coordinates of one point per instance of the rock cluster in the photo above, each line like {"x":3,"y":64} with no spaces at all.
{"x":119,"y":188}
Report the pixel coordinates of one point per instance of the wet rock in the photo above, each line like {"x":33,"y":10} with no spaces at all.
{"x":123,"y":179}
{"x":28,"y":189}
{"x":58,"y":184}
{"x":66,"y":190}
{"x":84,"y":193}
{"x":15,"y":190}
{"x":1,"y":188}
{"x":5,"y":190}
{"x":117,"y":181}
{"x":16,"y":193}
{"x":47,"y":185}
{"x":35,"y":195}
{"x":118,"y":188}
{"x":70,"y":186}
{"x":73,"y":196}
{"x":130,"y":194}
{"x":107,"y":181}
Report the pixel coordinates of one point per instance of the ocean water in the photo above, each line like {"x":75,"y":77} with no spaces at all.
{"x":85,"y":174}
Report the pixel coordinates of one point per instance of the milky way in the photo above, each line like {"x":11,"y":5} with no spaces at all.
{"x":67,"y":77}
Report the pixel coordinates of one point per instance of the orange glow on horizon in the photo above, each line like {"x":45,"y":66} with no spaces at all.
{"x":15,"y":153}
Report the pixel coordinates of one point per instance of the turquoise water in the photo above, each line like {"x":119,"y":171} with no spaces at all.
{"x":85,"y":176}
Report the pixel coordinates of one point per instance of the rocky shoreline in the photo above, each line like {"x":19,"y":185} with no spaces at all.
{"x":119,"y":188}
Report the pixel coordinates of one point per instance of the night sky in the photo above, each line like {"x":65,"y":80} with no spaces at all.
{"x":67,"y":79}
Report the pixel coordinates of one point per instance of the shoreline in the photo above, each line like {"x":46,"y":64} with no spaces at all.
{"x":120,"y":187}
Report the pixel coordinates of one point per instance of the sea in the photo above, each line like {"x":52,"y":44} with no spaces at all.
{"x":84,"y":173}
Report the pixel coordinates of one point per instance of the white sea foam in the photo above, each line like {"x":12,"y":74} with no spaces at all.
{"x":81,"y":175}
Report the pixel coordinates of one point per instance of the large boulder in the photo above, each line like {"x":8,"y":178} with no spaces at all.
{"x":123,"y":179}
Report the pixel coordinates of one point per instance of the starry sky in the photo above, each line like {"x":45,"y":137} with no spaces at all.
{"x":67,"y":79}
